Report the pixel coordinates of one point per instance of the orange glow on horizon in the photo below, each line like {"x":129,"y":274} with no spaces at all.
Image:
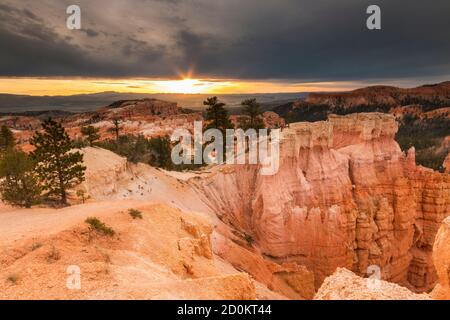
{"x":71,"y":86}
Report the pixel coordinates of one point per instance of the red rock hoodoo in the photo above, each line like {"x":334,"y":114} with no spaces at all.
{"x":345,"y":195}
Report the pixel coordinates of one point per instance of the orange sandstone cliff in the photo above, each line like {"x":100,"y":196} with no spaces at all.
{"x":345,"y":195}
{"x":441,"y":258}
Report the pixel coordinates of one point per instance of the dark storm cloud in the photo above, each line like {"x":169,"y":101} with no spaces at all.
{"x":280,"y":39}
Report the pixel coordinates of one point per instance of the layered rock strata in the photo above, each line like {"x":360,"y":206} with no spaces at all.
{"x":441,"y":258}
{"x":345,"y":195}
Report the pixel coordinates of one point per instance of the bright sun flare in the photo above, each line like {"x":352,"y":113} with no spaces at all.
{"x":185,"y":86}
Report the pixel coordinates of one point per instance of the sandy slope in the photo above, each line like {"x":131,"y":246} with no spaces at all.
{"x":111,"y":177}
{"x":166,"y":255}
{"x":17,"y":224}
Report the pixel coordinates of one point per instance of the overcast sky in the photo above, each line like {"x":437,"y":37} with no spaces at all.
{"x":305,"y":40}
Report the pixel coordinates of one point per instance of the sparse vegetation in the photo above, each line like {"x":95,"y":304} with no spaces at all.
{"x":81,"y":194}
{"x":19,"y":185}
{"x":154,"y":151}
{"x":53,"y":254}
{"x":160,"y":152}
{"x":249,"y":239}
{"x":106,"y":257}
{"x":6,"y":139}
{"x":303,"y":112}
{"x":116,"y":127}
{"x":91,"y":134}
{"x":426,"y":136}
{"x":216,"y":115}
{"x":252,"y":110}
{"x":135,"y":214}
{"x":13,"y":278}
{"x":80,"y":143}
{"x":36,"y":245}
{"x":96,"y":225}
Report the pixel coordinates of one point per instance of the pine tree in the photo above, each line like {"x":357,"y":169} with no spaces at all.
{"x":217,"y":115}
{"x":218,"y":118}
{"x":58,"y":168}
{"x":160,"y":149}
{"x":6,"y":139}
{"x":19,"y":184}
{"x":290,"y":117}
{"x":136,"y":148}
{"x":253,"y":110}
{"x":116,"y":127}
{"x":91,"y":134}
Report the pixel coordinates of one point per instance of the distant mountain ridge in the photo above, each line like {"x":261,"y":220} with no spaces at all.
{"x":317,"y":106}
{"x":432,"y":96}
{"x":10,"y":103}
{"x":73,"y":103}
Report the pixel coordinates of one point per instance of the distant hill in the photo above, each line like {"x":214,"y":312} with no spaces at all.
{"x":317,"y":106}
{"x":428,"y":96}
{"x":10,"y":103}
{"x":74,"y":103}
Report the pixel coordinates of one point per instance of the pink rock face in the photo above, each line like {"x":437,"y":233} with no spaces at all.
{"x":345,"y":196}
{"x":441,"y":258}
{"x":273,"y":120}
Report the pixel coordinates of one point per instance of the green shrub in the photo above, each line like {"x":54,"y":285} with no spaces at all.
{"x":91,"y":134}
{"x":53,"y":255}
{"x":154,"y":151}
{"x":96,"y":225}
{"x":19,"y":185}
{"x":135,"y":214}
{"x":79,"y":143}
{"x":81,"y":194}
{"x":249,"y":239}
{"x":6,"y":139}
{"x":36,"y":246}
{"x":13,"y":278}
